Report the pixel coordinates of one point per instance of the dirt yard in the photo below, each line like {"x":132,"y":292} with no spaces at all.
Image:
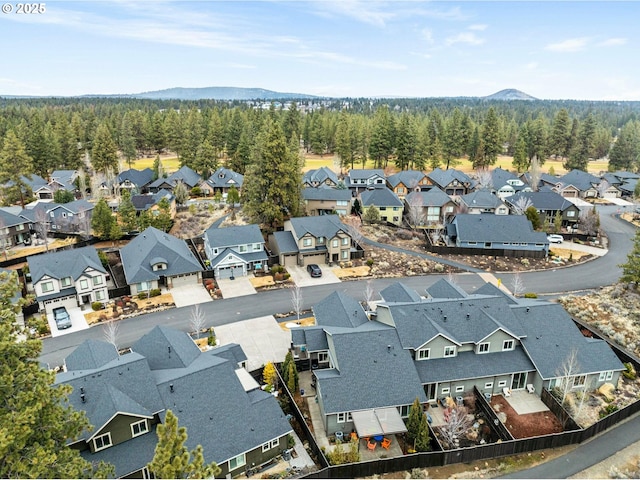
{"x":528,"y":425}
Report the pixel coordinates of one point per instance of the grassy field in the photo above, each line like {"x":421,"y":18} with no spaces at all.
{"x":170,"y":164}
{"x":504,"y":162}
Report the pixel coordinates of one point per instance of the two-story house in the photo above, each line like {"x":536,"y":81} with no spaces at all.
{"x":135,"y":181}
{"x":428,"y":207}
{"x":323,"y":200}
{"x":125,"y":398}
{"x":307,"y":240}
{"x":68,"y":278}
{"x":151,"y":202}
{"x":58,"y":180}
{"x":549,"y":204}
{"x":505,"y":183}
{"x":320,"y":176}
{"x":359,"y":179}
{"x":235,"y":251}
{"x":407,"y":181}
{"x":14,"y":230}
{"x":440,"y":347}
{"x":577,"y":183}
{"x":451,"y":181}
{"x":155,"y":258}
{"x":483,"y":201}
{"x":189,"y":177}
{"x":223,"y":179}
{"x":389,"y":206}
{"x":495,"y":232}
{"x":73,"y":217}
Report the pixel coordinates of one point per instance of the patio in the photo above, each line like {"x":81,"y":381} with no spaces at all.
{"x":524,"y":402}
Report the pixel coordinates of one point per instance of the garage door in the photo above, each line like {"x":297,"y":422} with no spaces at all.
{"x":184,"y":280}
{"x":68,"y":302}
{"x":610,"y":195}
{"x":309,"y":259}
{"x":290,"y":260}
{"x":228,"y":272}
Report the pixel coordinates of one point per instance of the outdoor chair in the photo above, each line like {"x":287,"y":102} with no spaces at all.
{"x":531,"y":388}
{"x":506,"y":392}
{"x":371,"y":445}
{"x":386,"y":443}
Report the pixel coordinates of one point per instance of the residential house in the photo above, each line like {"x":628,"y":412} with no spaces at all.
{"x":154,"y":259}
{"x":359,"y":179}
{"x":495,"y":232}
{"x":68,"y":278}
{"x":185,"y":175}
{"x":33,"y":181}
{"x":325,"y":200}
{"x":222,"y":180}
{"x":135,"y":181}
{"x":549,"y":204}
{"x":151,"y":202}
{"x":440,"y":347}
{"x":72,"y":218}
{"x":387,"y":203}
{"x":428,"y":207}
{"x":307,"y":240}
{"x":625,"y":182}
{"x":407,"y":181}
{"x":235,"y":251}
{"x":483,"y":201}
{"x":14,"y":230}
{"x":452,"y":182}
{"x":58,"y":180}
{"x":320,"y":176}
{"x":577,"y":183}
{"x":505,"y":184}
{"x":125,"y":398}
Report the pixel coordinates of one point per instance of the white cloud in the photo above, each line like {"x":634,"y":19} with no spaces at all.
{"x":613,"y":42}
{"x":469,"y":38}
{"x":364,"y":12}
{"x":531,"y":66}
{"x":569,"y":45}
{"x":478,"y":28}
{"x":427,"y":35}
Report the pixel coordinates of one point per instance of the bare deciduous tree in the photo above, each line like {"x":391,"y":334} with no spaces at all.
{"x":415,"y":211}
{"x":296,"y":300}
{"x":517,"y":285}
{"x":603,"y":186}
{"x":5,"y":243}
{"x":457,"y":426}
{"x":110,"y":332}
{"x":589,"y":221}
{"x":40,"y":225}
{"x":451,"y":278}
{"x":534,"y":173}
{"x":484,"y":179}
{"x":521,"y":204}
{"x":436,"y":234}
{"x":353,"y":226}
{"x":369,"y":294}
{"x":566,"y":373}
{"x":197,"y":319}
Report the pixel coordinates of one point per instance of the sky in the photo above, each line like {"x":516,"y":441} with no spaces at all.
{"x":347,"y":48}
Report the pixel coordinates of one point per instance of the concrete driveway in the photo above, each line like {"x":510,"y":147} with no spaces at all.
{"x":302,"y":278}
{"x":237,"y":287}
{"x":78,"y":322}
{"x":189,"y":295}
{"x":261,"y":338}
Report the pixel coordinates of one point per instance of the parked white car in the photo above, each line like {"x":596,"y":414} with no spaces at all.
{"x":555,"y":238}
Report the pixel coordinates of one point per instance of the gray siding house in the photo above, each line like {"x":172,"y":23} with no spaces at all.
{"x":235,"y":251}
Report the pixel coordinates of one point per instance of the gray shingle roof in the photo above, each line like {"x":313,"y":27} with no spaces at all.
{"x":552,"y":336}
{"x":91,"y":354}
{"x":579,"y":179}
{"x":314,"y":338}
{"x":285,"y":243}
{"x":9,"y":219}
{"x":434,"y":197}
{"x":364,"y":173}
{"x":139,"y":178}
{"x":409,"y":178}
{"x":481,"y":199}
{"x":491,"y":289}
{"x":225,"y":178}
{"x":326,"y":226}
{"x":184,"y":174}
{"x":443,"y":288}
{"x":151,"y":244}
{"x":500,"y":178}
{"x":497,"y":228}
{"x":543,"y":200}
{"x":380,"y":197}
{"x":64,"y":263}
{"x":166,"y":348}
{"x":319,"y":175}
{"x":326,"y":193}
{"x":339,"y":310}
{"x":399,"y":292}
{"x":233,"y":236}
{"x":443,"y":178}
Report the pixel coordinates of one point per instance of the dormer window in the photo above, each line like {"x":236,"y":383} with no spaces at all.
{"x":102,"y":441}
{"x":139,"y":428}
{"x":159,"y":266}
{"x":450,"y":351}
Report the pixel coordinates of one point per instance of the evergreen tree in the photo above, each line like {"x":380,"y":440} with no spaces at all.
{"x":35,"y":144}
{"x":181,"y":193}
{"x":127,"y":141}
{"x":292,"y":124}
{"x":14,"y":164}
{"x":560,"y":138}
{"x":344,"y":143}
{"x":371,"y":215}
{"x":52,"y":147}
{"x":36,"y":421}
{"x":234,"y":130}
{"x":63,"y":196}
{"x":405,"y":143}
{"x":269,"y":374}
{"x":233,"y":196}
{"x":520,"y":157}
{"x":356,"y":209}
{"x":192,"y":138}
{"x":115,"y":232}
{"x":70,"y":153}
{"x":533,"y":216}
{"x":292,"y":378}
{"x":104,"y":152}
{"x":625,"y":153}
{"x":127,"y":212}
{"x":162,"y":221}
{"x":491,"y":138}
{"x":631,"y":269}
{"x":422,"y":441}
{"x":288,"y":358}
{"x":382,"y":137}
{"x":414,"y":421}
{"x":584,"y":147}
{"x":215,"y":139}
{"x":102,"y":220}
{"x":242,"y":156}
{"x":206,"y":161}
{"x":557,"y":222}
{"x":156,"y":132}
{"x":171,"y":458}
{"x":158,"y":171}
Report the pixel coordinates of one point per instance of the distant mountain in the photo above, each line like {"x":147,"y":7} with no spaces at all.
{"x":509,"y":94}
{"x":217,"y":93}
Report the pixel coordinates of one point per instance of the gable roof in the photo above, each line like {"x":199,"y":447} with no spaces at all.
{"x":380,"y":197}
{"x":409,"y":178}
{"x":8,"y":219}
{"x":501,"y":177}
{"x":139,"y":178}
{"x":91,"y":354}
{"x":339,"y":310}
{"x":165,"y":347}
{"x":326,"y":226}
{"x":232,"y":236}
{"x":150,"y":245}
{"x":284,"y":242}
{"x":491,"y":289}
{"x":443,"y":178}
{"x":434,"y":197}
{"x":225,"y":178}
{"x":184,"y":174}
{"x":443,"y":288}
{"x":543,"y":200}
{"x":319,"y":175}
{"x":314,"y":338}
{"x":365,"y":173}
{"x":399,"y":292}
{"x":497,"y":228}
{"x":64,"y":178}
{"x":481,"y":199}
{"x":76,"y":206}
{"x":64,"y":263}
{"x":324,"y":192}
{"x":579,"y":179}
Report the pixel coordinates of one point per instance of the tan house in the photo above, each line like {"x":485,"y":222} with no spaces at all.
{"x":407,"y":181}
{"x":326,"y":201}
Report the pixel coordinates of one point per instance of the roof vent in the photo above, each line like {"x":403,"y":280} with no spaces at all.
{"x":445,"y":318}
{"x":468,"y":316}
{"x":171,"y":387}
{"x":527,"y":309}
{"x":81,"y":389}
{"x":83,"y":398}
{"x":169,"y":347}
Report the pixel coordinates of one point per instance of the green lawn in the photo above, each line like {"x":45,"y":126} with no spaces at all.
{"x":170,"y":164}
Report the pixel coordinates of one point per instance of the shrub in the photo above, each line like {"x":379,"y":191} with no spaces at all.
{"x":278,"y":277}
{"x":103,"y":258}
{"x":196,"y":191}
{"x":530,"y":295}
{"x":154,"y":292}
{"x":369,"y":262}
{"x":287,"y":276}
{"x":404,"y":234}
{"x":630,"y":371}
{"x":142,"y":295}
{"x":608,"y":410}
{"x":438,"y":267}
{"x":97,"y":306}
{"x":211,"y":338}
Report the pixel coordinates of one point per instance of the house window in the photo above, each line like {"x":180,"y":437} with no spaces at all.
{"x":403,"y":410}
{"x":571,"y":213}
{"x":400,"y":190}
{"x":471,"y":243}
{"x":306,"y":242}
{"x":102,"y":441}
{"x":460,"y":389}
{"x":64,"y":214}
{"x":257,"y":247}
{"x":610,"y":375}
{"x":323,"y":357}
{"x":502,"y":383}
{"x":100,"y":295}
{"x":345,"y":255}
{"x":345,"y":241}
{"x":97,"y":280}
{"x":269,"y":445}
{"x":237,"y":462}
{"x":139,"y":428}
{"x":382,"y":208}
{"x":51,"y":214}
{"x":602,"y":376}
{"x":342,"y":203}
{"x":65,"y":282}
{"x":344,"y":417}
{"x":84,"y":284}
{"x":20,"y":227}
{"x":320,"y":240}
{"x":334,"y":243}
{"x":483,"y":347}
{"x":396,"y":219}
{"x":445,"y":391}
{"x":579,"y":381}
{"x":159,"y":266}
{"x":507,"y":345}
{"x":450,"y":351}
{"x":488,"y":385}
{"x":47,"y":287}
{"x":424,"y":353}
{"x":144,"y":286}
{"x":242,"y":248}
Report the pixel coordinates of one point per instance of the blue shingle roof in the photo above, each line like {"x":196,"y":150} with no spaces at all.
{"x":380,"y":197}
{"x":326,"y":193}
{"x":409,"y":178}
{"x":497,"y":228}
{"x":64,"y":263}
{"x":225,"y":178}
